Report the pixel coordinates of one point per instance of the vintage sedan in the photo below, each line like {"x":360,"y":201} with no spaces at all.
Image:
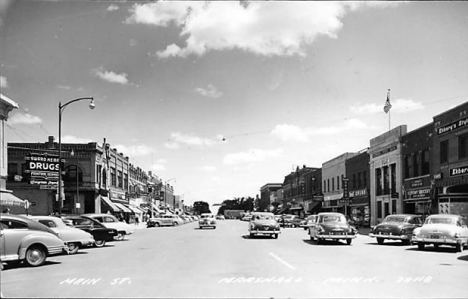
{"x":73,"y":237}
{"x":264,"y":223}
{"x":207,"y":220}
{"x":332,"y":226}
{"x":111,"y":221}
{"x":164,"y":220}
{"x":25,"y":240}
{"x":396,"y":227}
{"x":442,"y":229}
{"x":100,"y":233}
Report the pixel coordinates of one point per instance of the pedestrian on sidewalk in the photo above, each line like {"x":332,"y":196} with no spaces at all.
{"x":137,"y":220}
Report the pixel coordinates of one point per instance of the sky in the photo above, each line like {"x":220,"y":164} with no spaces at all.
{"x":221,"y":98}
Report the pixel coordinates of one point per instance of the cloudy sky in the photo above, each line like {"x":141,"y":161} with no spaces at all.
{"x":225,"y":97}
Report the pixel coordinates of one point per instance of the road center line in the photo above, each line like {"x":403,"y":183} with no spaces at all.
{"x":282,"y":261}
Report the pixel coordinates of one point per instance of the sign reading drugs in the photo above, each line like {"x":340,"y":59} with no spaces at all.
{"x":43,"y":168}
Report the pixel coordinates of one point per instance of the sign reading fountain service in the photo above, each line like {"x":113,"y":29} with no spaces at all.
{"x":43,"y":170}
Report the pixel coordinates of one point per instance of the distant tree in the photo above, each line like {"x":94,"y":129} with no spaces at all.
{"x":201,"y":207}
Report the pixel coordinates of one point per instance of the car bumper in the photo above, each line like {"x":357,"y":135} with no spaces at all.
{"x":336,"y":237}
{"x":449,"y":241}
{"x":265,"y":232}
{"x":393,"y":237}
{"x":207,"y":224}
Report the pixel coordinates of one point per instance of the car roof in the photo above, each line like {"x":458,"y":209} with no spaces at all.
{"x":262,"y":213}
{"x":404,"y":215}
{"x":444,"y":215}
{"x":330,"y":213}
{"x":33,"y":224}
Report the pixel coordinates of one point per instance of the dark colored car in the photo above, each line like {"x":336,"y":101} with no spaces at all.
{"x":264,"y":223}
{"x":396,"y":227}
{"x":100,"y":233}
{"x":332,"y":226}
{"x":291,"y":221}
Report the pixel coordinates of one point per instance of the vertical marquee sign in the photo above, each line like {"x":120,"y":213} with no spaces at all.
{"x":43,"y":170}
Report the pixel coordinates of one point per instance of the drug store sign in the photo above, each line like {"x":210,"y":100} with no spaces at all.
{"x":43,"y":169}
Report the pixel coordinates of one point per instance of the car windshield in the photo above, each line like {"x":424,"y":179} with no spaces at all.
{"x":80,"y":221}
{"x":206,"y":216}
{"x":440,"y":220}
{"x":288,"y":217}
{"x":263,"y":217}
{"x":395,"y":219}
{"x":332,"y":218}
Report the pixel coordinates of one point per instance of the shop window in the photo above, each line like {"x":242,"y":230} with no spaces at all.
{"x":444,"y":151}
{"x":463,"y":146}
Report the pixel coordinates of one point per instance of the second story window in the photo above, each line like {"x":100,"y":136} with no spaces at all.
{"x":113,"y":177}
{"x":463,"y":146}
{"x":444,"y":151}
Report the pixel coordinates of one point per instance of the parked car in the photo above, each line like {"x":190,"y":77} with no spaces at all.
{"x":100,"y":233}
{"x":73,"y":237}
{"x":442,"y":229}
{"x":111,"y":221}
{"x":264,"y":223}
{"x":396,"y":227}
{"x":332,"y":226}
{"x":25,"y":240}
{"x":220,"y":217}
{"x":207,"y":220}
{"x":164,"y":220}
{"x":247,"y":217}
{"x":309,"y":221}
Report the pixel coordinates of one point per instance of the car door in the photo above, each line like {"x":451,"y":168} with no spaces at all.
{"x":12,"y":232}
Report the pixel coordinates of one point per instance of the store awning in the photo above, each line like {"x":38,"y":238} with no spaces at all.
{"x":8,"y":199}
{"x":109,"y":203}
{"x":123,"y":208}
{"x":134,"y":209}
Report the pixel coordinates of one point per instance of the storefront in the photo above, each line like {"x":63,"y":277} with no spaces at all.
{"x":417,"y":196}
{"x":359,"y":208}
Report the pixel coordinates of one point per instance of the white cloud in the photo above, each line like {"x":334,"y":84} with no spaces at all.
{"x":398,"y":105}
{"x":294,"y":133}
{"x":112,"y":7}
{"x":110,"y":76}
{"x":210,"y":91}
{"x":134,"y":150}
{"x":207,"y":168}
{"x":158,"y":167}
{"x":3,"y":82}
{"x":254,"y":155}
{"x":73,"y":139}
{"x":24,"y":118}
{"x":262,"y":27}
{"x":178,"y":138}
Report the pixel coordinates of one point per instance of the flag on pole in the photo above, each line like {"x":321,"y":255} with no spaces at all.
{"x":387,"y":105}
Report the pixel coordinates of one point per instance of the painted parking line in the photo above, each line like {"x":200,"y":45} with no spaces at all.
{"x":282,"y":261}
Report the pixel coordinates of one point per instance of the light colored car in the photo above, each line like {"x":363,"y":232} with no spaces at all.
{"x":309,"y":221}
{"x":164,"y":220}
{"x":264,"y":223}
{"x":207,"y":220}
{"x":74,"y":238}
{"x":396,"y":227}
{"x":23,"y":239}
{"x":442,"y":229}
{"x":332,"y":226}
{"x":111,"y":221}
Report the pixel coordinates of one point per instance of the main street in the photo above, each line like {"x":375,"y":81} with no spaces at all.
{"x":186,"y":262}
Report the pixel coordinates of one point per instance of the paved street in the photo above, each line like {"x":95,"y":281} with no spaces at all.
{"x":186,"y":262}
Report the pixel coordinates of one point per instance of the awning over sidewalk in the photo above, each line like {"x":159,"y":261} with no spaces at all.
{"x":109,"y":203}
{"x":134,"y":209}
{"x":123,"y":208}
{"x":8,"y":199}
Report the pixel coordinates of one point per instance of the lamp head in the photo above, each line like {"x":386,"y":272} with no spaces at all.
{"x":91,"y":104}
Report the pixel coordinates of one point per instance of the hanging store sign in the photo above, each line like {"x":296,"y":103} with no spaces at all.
{"x":418,"y":193}
{"x":43,"y":169}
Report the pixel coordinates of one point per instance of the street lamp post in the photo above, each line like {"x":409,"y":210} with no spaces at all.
{"x":72,"y":153}
{"x":61,"y":109}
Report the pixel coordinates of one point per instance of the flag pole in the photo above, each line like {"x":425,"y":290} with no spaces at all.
{"x":388,"y":98}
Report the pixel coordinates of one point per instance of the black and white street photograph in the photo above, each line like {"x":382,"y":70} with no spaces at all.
{"x":233,"y":149}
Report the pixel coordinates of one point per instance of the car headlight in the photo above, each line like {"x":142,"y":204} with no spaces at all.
{"x":456,"y":235}
{"x":320,"y":230}
{"x":252,"y":226}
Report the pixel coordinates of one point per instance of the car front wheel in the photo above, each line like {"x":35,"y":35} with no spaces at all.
{"x":421,"y":246}
{"x":35,"y":256}
{"x":73,"y":248}
{"x":120,"y":236}
{"x":99,"y":243}
{"x":348,"y":241}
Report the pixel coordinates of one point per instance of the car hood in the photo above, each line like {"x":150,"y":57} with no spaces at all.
{"x":264,"y":222}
